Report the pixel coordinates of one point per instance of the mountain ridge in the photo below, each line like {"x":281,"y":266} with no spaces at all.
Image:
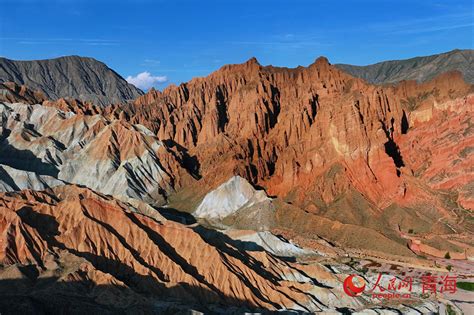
{"x":84,"y":78}
{"x":420,"y":68}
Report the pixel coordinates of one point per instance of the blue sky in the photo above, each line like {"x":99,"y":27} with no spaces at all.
{"x":183,"y":39}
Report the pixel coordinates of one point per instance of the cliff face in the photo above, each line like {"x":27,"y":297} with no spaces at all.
{"x":73,"y":76}
{"x":325,"y":142}
{"x":295,"y":131}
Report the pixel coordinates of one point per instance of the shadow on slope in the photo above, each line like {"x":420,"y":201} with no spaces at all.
{"x":153,"y":293}
{"x":25,"y":160}
{"x":188,"y":162}
{"x":52,"y":295}
{"x":175,"y":215}
{"x":7,"y":179}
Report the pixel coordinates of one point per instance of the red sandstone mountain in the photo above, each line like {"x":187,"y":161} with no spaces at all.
{"x":281,"y":127}
{"x":327,"y":142}
{"x":377,"y":170}
{"x":330,"y":144}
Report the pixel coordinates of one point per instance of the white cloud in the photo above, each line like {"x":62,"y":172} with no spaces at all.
{"x":145,"y":80}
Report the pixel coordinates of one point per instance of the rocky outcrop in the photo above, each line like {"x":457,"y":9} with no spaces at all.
{"x":315,"y":137}
{"x":114,"y":246}
{"x":276,"y":245}
{"x":70,"y":77}
{"x":442,"y":134}
{"x":11,"y":92}
{"x":421,"y":69}
{"x":295,"y":131}
{"x":13,"y":180}
{"x":113,"y":157}
{"x":228,"y":198}
{"x":349,"y":166}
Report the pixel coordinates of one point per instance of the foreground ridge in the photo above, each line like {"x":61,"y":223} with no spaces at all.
{"x":119,"y":259}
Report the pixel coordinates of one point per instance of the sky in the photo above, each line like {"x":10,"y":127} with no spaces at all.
{"x":157,"y":43}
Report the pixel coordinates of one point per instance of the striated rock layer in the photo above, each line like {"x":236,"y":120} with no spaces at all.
{"x":72,"y":243}
{"x":111,"y":156}
{"x":69,"y":249}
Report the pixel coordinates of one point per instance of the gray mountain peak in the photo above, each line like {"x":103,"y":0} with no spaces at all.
{"x":72,"y":76}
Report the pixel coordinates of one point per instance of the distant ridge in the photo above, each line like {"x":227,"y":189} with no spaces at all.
{"x":71,"y":76}
{"x":420,"y":69}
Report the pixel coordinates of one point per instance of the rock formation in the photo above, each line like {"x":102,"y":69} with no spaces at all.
{"x":316,"y":138}
{"x":113,"y":157}
{"x":274,"y":125}
{"x":11,"y":92}
{"x":14,"y":180}
{"x":230,"y":197}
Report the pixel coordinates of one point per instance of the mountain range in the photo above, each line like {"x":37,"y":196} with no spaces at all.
{"x":254,"y":189}
{"x":420,"y":69}
{"x":72,"y":76}
{"x":90,"y":80}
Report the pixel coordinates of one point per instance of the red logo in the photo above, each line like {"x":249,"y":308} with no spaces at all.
{"x":354,"y":285}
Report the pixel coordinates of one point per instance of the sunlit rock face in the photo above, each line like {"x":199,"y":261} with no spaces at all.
{"x":296,"y":132}
{"x":233,"y":195}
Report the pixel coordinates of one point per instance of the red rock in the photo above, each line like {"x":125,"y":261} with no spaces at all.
{"x":284,"y":129}
{"x":314,"y":135}
{"x":102,"y":241}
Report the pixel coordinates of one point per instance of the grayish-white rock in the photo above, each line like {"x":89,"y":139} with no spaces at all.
{"x":12,"y":180}
{"x":112,"y":157}
{"x":234,"y":195}
{"x":271,"y":243}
